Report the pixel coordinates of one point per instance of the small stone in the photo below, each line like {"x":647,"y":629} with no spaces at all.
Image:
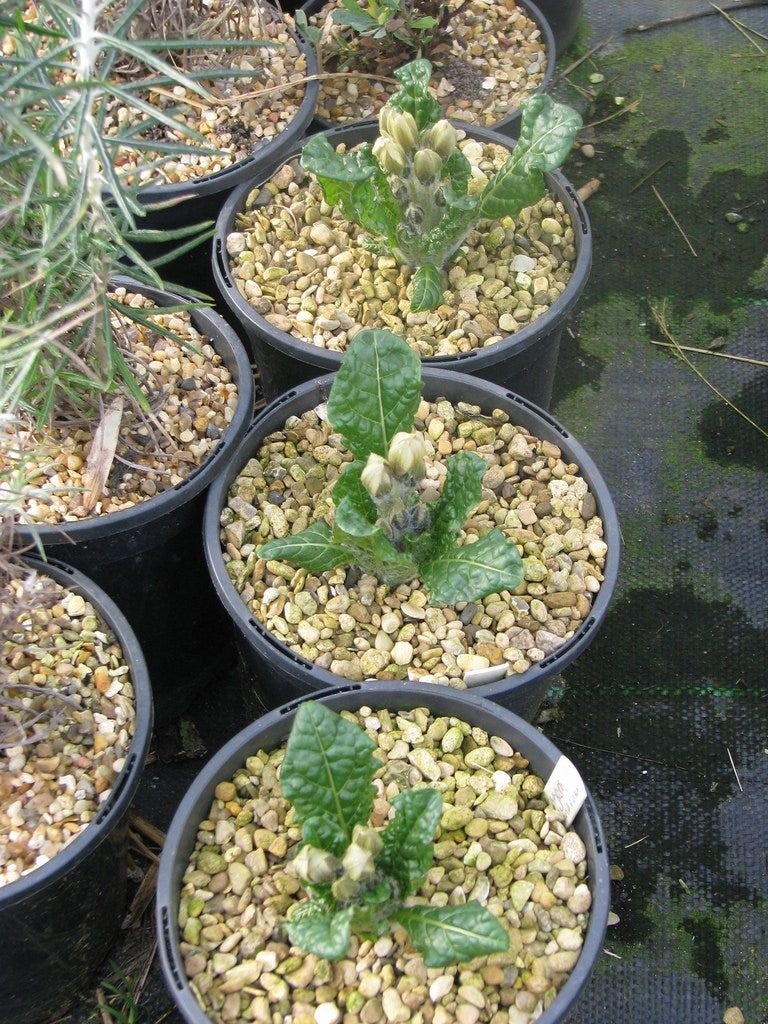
{"x":573,"y":848}
{"x":327,"y":1013}
{"x":440,"y":988}
{"x":225,"y":791}
{"x":394,"y":1009}
{"x":502,"y":806}
{"x":452,"y":739}
{"x":402,"y":653}
{"x":588,"y":150}
{"x":520,"y":893}
{"x":455,"y":817}
{"x":581,"y":900}
{"x":427,"y":765}
{"x":239,"y":876}
{"x":321,"y":234}
{"x":570,"y":939}
{"x":733,"y":1015}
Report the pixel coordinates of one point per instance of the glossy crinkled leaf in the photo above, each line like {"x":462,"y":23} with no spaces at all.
{"x":323,"y":832}
{"x":546,"y":137}
{"x":473,"y":571}
{"x":413,"y":97}
{"x":327,"y":771}
{"x":376,"y":392}
{"x":374,"y":554}
{"x":408,"y":839}
{"x":312,"y":549}
{"x":461,"y":492}
{"x":453,"y":935}
{"x":456,"y":171}
{"x":351,"y":520}
{"x":349,"y":486}
{"x":355,"y":183}
{"x":325,"y":933}
{"x":426,"y":288}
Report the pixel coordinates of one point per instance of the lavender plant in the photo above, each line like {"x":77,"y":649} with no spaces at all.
{"x":381,"y":523}
{"x":410,"y":191}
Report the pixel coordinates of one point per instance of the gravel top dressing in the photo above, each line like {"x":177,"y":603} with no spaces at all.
{"x":358,"y":628}
{"x":50,"y":789}
{"x":493,"y":59}
{"x":303,"y":266}
{"x":500,"y":842}
{"x":242,"y":115}
{"x":193,"y":399}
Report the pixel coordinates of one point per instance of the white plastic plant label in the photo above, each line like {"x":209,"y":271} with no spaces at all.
{"x":565,"y":789}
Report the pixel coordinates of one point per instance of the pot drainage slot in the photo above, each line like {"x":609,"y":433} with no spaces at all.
{"x":127,"y":770}
{"x":169,"y":952}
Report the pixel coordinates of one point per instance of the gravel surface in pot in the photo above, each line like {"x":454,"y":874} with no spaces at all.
{"x":300,"y":264}
{"x":193,"y":398}
{"x":500,"y":842}
{"x":349,"y":623}
{"x":50,"y":789}
{"x":493,"y":58}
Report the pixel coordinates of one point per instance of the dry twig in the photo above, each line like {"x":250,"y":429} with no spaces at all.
{"x":649,"y":175}
{"x":711,"y":352}
{"x":678,"y":19}
{"x":738,"y":26}
{"x":659,"y":315}
{"x":674,"y":220}
{"x":730,"y":758}
{"x":577,"y":63}
{"x":148,"y":830}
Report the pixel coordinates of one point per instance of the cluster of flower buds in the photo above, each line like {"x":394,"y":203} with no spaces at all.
{"x":401,"y":142}
{"x":405,"y":458}
{"x":358,"y":862}
{"x":314,"y":866}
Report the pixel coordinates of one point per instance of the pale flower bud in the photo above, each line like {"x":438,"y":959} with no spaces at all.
{"x":406,"y":455}
{"x":390,"y":155}
{"x":314,"y":866}
{"x":345,"y":888}
{"x":376,"y":478}
{"x":427,"y":165}
{"x":367,"y":838}
{"x":402,"y":128}
{"x":443,"y":138}
{"x":385,"y":118}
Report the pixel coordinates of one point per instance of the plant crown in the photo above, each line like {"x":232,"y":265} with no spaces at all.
{"x":381,"y":523}
{"x":410,"y":190}
{"x":359,"y":878}
{"x":417,"y":24}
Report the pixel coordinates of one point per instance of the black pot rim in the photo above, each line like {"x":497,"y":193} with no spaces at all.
{"x":311,"y":6}
{"x":126,"y":783}
{"x":374,"y":694}
{"x":469,"y":362}
{"x":319,"y":679}
{"x":264,"y":152}
{"x":204,"y":320}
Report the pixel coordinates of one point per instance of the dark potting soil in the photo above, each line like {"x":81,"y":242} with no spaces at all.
{"x":673,"y":689}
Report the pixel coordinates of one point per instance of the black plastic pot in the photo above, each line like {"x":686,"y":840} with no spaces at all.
{"x":148,"y":558}
{"x":275,"y":674}
{"x":270,"y":731}
{"x":563,"y":17}
{"x":58,"y":922}
{"x":507,"y":125}
{"x":524,"y":362}
{"x":201,"y":199}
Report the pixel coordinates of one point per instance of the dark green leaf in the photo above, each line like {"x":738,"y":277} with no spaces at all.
{"x":355,"y":183}
{"x":355,"y":19}
{"x":328,"y":770}
{"x":457,"y":170}
{"x":426,"y":288}
{"x":350,"y":486}
{"x":473,"y":571}
{"x":374,"y":554}
{"x":323,"y":832}
{"x":546,"y":136}
{"x":376,"y":392}
{"x":425,"y":22}
{"x":312,"y":549}
{"x":408,"y":838}
{"x":326,"y":933}
{"x":349,"y":519}
{"x":453,"y":935}
{"x":461,"y":492}
{"x":413,"y":97}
